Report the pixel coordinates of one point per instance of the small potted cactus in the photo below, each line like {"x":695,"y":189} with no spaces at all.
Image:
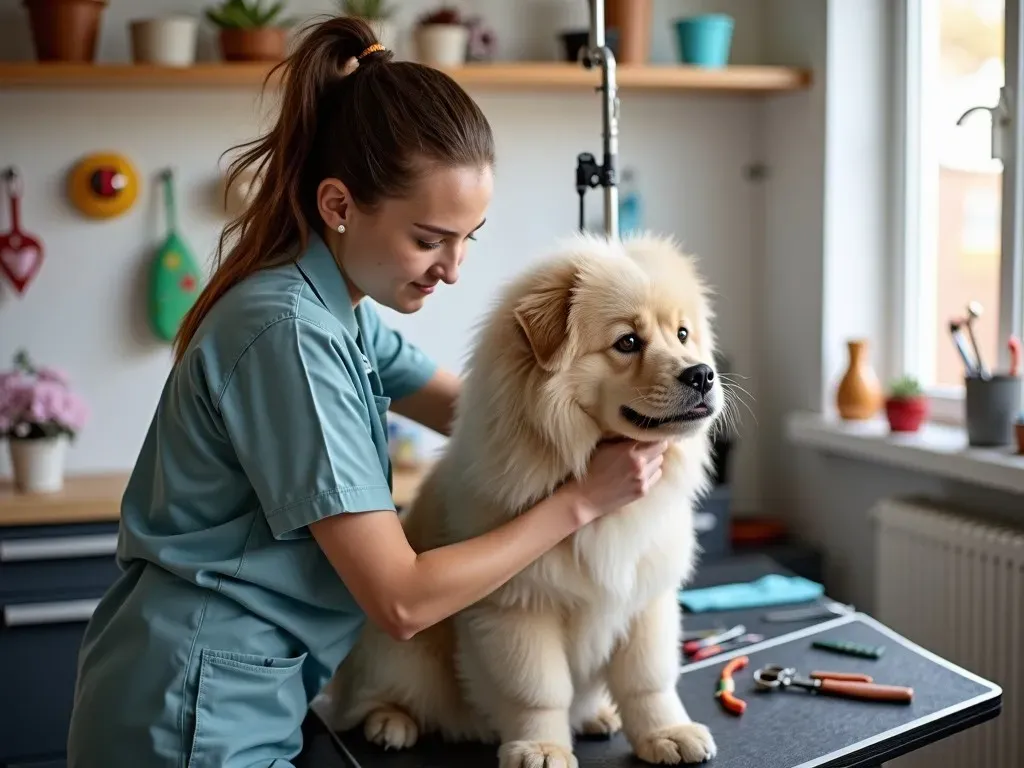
{"x":251,"y":30}
{"x":906,"y":405}
{"x":442,"y":38}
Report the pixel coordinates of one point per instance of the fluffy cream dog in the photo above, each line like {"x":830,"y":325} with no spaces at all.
{"x":604,"y":339}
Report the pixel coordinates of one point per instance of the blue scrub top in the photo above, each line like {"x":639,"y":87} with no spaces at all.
{"x":275,"y":418}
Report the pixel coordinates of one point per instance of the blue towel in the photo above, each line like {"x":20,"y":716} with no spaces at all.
{"x":769,"y":590}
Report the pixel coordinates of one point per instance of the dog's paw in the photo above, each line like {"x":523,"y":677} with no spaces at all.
{"x":604,"y":723}
{"x":689,"y":743}
{"x":535,"y":754}
{"x":391,"y":728}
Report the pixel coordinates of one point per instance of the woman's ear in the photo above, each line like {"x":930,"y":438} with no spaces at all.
{"x":334,"y":203}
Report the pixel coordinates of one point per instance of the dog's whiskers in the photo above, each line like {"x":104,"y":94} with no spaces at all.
{"x":736,"y":387}
{"x":731,"y":411}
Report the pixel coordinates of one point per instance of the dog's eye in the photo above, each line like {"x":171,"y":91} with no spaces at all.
{"x":683,"y":335}
{"x":628,"y":343}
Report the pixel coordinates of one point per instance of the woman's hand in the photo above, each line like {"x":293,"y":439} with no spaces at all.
{"x":619,"y":473}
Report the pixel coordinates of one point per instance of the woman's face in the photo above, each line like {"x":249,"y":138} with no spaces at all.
{"x":399,"y":252}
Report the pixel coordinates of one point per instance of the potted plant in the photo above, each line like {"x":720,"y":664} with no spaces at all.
{"x":65,"y":30}
{"x":377,"y":14}
{"x":167,"y":41}
{"x":251,"y":31}
{"x":39,"y":414}
{"x":906,"y":405}
{"x":442,"y":38}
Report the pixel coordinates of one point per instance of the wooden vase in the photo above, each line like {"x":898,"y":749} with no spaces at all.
{"x":632,"y":20}
{"x":860,"y":393}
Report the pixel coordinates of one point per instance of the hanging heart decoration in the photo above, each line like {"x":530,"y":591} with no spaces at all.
{"x":21,"y":255}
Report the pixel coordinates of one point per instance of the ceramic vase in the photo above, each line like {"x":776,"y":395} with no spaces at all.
{"x":38,"y":463}
{"x":441,"y":45}
{"x":860,"y":393}
{"x":169,"y":41}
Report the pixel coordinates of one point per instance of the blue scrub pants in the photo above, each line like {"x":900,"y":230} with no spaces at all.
{"x":172,"y":675}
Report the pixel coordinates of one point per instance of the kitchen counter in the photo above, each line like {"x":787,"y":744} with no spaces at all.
{"x":96,"y":498}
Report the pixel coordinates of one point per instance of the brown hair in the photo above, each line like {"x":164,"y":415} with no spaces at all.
{"x":373,"y":129}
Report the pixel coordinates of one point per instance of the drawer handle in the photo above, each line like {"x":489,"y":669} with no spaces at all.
{"x":56,"y":612}
{"x":58,"y":547}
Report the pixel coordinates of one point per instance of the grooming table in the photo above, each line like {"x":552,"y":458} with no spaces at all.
{"x":780,"y":729}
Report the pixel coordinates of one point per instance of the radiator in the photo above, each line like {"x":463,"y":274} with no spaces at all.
{"x":955,"y":585}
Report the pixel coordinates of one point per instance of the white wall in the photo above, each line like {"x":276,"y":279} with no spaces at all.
{"x":86,"y":310}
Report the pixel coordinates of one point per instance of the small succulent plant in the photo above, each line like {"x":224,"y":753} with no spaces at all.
{"x":365,"y":9}
{"x":248,"y":14}
{"x":905,"y":388}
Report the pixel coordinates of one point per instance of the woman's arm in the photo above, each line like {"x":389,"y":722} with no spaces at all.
{"x":404,"y":592}
{"x":433,"y":405}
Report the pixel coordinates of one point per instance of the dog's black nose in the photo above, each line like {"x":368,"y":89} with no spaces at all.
{"x":700,"y":377}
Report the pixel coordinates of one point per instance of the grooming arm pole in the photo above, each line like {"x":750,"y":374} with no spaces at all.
{"x":590,"y":173}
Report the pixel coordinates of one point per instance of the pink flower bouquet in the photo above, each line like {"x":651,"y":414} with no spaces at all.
{"x":38,"y":403}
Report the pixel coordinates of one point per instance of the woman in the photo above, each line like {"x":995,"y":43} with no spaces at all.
{"x":249,"y":552}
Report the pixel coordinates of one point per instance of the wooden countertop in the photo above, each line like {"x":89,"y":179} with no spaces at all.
{"x":97,"y":498}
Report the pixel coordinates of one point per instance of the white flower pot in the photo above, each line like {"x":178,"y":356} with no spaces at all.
{"x":169,"y":41}
{"x":387,"y":33}
{"x":38,"y":463}
{"x":442,"y":45}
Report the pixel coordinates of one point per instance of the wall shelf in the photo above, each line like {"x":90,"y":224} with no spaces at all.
{"x":543,"y":76}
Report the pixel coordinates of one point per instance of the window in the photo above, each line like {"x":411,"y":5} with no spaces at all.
{"x":958,"y":123}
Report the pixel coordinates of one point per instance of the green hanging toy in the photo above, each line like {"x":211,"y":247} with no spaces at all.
{"x":174,"y":277}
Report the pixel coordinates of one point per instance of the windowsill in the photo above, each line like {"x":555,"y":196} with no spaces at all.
{"x":937,"y":449}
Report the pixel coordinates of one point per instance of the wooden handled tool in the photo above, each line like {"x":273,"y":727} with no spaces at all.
{"x":849,"y":685}
{"x":858,"y":690}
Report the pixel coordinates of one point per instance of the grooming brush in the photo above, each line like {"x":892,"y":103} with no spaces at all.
{"x":974,"y":311}
{"x":956,"y":331}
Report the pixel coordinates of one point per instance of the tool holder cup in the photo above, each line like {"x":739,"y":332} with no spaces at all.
{"x":992,"y":404}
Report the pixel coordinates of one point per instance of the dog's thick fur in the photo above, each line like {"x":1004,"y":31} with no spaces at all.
{"x":587,"y":638}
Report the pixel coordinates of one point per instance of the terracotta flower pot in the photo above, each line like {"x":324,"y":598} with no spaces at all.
{"x":633,"y":21}
{"x":906,"y":414}
{"x":1019,"y":429}
{"x":860,"y":392}
{"x":65,"y":30}
{"x":259,"y":44}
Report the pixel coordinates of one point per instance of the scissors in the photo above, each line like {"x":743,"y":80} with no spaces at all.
{"x":846,"y":684}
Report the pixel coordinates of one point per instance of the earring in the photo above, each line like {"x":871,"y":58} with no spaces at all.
{"x":341,"y":229}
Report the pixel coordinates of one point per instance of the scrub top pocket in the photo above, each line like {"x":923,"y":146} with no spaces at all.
{"x":249,"y":710}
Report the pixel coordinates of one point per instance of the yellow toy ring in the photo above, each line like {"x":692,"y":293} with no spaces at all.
{"x":103,"y":185}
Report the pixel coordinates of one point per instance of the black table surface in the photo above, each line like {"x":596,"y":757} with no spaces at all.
{"x":780,"y":729}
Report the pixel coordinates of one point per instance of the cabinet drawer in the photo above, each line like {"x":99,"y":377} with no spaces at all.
{"x":42,"y":559}
{"x":39,"y":644}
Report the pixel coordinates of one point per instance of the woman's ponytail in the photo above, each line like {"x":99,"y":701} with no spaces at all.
{"x":366,"y":127}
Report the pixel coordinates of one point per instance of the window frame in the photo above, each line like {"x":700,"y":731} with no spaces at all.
{"x":911,"y":233}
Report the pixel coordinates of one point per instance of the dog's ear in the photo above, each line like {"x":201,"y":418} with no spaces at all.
{"x":543,"y":315}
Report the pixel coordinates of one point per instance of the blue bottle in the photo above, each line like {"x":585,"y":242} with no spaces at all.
{"x":630,"y":205}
